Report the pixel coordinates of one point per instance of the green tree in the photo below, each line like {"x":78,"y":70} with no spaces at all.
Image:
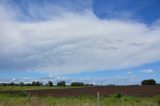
{"x":21,"y":84}
{"x":36,"y":83}
{"x":61,"y":83}
{"x":12,"y":83}
{"x":77,"y":84}
{"x":148,"y":82}
{"x":50,"y":83}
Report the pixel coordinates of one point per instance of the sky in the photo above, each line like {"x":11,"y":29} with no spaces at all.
{"x":92,"y":41}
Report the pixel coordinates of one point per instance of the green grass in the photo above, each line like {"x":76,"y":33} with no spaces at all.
{"x":23,"y":100}
{"x":10,"y":88}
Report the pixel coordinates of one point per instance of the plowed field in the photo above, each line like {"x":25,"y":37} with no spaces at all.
{"x":103,"y":91}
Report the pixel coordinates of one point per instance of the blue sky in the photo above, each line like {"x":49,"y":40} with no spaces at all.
{"x":94,"y":41}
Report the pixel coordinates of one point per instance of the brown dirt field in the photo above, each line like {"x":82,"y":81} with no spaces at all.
{"x":143,"y":91}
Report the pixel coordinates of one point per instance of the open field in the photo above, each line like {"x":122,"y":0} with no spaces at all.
{"x":141,"y":91}
{"x":86,"y":96}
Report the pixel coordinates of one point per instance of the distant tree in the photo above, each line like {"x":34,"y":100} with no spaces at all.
{"x":61,"y":83}
{"x":148,"y":82}
{"x":12,"y":84}
{"x":36,"y":83}
{"x":77,"y":84}
{"x":21,"y":84}
{"x":29,"y":84}
{"x":88,"y":84}
{"x":50,"y":83}
{"x":5,"y":84}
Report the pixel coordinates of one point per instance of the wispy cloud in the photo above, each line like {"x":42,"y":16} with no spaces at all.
{"x":148,"y":71}
{"x":73,"y":42}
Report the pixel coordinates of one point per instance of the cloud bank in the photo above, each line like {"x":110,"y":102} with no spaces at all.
{"x":71,"y":42}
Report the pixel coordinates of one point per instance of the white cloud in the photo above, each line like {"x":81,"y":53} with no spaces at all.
{"x":129,"y":72}
{"x":148,"y":71}
{"x":76,"y":42}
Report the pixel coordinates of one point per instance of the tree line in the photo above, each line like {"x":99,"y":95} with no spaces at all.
{"x":50,"y":83}
{"x":63,"y":83}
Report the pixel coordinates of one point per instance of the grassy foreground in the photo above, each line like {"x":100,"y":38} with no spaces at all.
{"x":114,"y":100}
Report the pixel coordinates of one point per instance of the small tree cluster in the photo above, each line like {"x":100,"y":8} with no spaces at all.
{"x":21,"y":84}
{"x":61,"y":83}
{"x":50,"y":83}
{"x":36,"y":83}
{"x":148,"y":82}
{"x":12,"y":83}
{"x":77,"y":84}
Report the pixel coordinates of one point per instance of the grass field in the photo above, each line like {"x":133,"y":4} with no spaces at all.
{"x":114,"y":100}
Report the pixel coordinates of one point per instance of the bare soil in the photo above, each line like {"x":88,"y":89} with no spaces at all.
{"x":141,"y":91}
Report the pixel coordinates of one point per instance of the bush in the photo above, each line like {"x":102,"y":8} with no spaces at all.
{"x":61,"y":83}
{"x":22,"y":93}
{"x":77,"y":84}
{"x":148,"y":82}
{"x":158,"y":102}
{"x":117,"y":95}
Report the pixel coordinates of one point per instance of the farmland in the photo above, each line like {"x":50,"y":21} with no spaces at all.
{"x":141,"y":91}
{"x":83,"y":96}
{"x":113,"y":100}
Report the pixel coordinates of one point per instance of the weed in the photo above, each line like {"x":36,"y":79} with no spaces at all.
{"x":117,"y":95}
{"x":22,"y":94}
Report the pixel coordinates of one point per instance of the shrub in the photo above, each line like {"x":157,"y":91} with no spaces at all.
{"x":77,"y":84}
{"x":117,"y":95}
{"x":148,"y":82}
{"x":61,"y":83}
{"x":22,"y":93}
{"x":158,"y":102}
